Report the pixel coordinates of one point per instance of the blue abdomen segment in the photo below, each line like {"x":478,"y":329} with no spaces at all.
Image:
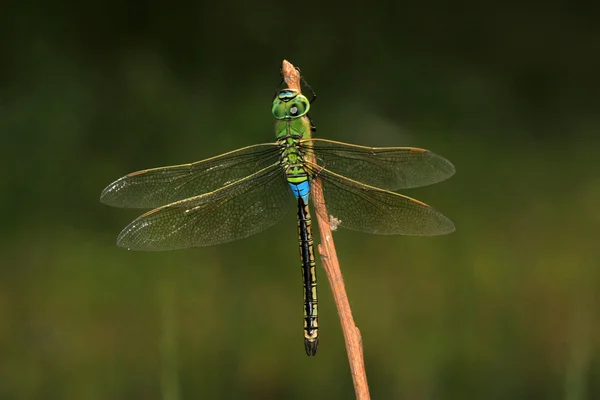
{"x":301,"y":189}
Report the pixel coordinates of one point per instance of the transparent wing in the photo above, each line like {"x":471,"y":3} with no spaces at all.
{"x":372,"y":210}
{"x":159,"y":186}
{"x":238,"y":210}
{"x":389,"y":168}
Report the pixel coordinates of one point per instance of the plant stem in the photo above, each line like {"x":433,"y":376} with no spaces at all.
{"x":331,"y":266}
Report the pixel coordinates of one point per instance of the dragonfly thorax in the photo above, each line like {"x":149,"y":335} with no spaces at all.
{"x":293,"y":164}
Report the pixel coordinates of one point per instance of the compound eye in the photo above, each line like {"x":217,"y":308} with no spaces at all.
{"x":299,"y":107}
{"x":278,"y":110}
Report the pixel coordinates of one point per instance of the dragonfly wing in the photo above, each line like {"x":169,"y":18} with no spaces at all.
{"x":372,"y":210}
{"x":389,"y":168}
{"x":238,"y":210}
{"x":156,"y":187}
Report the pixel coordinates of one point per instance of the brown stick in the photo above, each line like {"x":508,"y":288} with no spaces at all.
{"x":334,"y":274}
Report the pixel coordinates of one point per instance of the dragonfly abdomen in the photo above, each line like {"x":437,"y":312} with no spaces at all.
{"x":300,"y":189}
{"x":309,"y":275}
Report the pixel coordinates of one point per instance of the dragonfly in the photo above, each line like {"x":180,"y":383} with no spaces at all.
{"x":245,"y":191}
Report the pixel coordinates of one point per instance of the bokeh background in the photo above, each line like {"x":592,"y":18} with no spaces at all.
{"x":504,"y":308}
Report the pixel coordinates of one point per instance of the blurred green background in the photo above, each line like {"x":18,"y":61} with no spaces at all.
{"x":504,"y":308}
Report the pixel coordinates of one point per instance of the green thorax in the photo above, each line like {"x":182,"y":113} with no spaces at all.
{"x":289,"y":109}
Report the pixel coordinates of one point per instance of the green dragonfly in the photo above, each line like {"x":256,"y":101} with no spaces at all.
{"x":245,"y":191}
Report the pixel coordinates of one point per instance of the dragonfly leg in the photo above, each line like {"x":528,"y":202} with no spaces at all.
{"x":280,"y":83}
{"x":313,"y":128}
{"x":277,"y":90}
{"x":314,"y":95}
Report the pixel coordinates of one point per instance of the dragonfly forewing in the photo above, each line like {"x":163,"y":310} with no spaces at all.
{"x":157,"y":187}
{"x":389,"y":168}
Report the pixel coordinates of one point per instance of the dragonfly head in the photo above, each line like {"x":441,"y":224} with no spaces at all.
{"x":290,"y":104}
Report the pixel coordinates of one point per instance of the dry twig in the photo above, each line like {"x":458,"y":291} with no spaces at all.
{"x":331,"y":265}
